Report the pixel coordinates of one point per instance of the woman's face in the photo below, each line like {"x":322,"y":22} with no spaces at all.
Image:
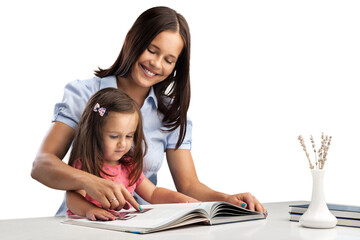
{"x":158,"y":60}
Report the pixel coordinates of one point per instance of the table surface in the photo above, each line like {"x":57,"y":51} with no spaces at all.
{"x":276,"y":226}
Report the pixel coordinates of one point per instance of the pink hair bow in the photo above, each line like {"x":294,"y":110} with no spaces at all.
{"x":99,"y":109}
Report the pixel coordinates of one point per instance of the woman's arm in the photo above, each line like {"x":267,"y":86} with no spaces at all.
{"x":77,"y":204}
{"x":48,"y":167}
{"x":186,"y":181}
{"x":52,"y":172}
{"x":155,"y":195}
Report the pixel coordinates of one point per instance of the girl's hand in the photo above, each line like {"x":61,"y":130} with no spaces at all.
{"x":100,"y":214}
{"x":248,"y":201}
{"x":111,"y":195}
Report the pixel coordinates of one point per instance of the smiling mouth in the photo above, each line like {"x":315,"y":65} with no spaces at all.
{"x":147,"y":71}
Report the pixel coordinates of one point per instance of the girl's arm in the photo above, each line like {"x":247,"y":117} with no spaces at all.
{"x":77,"y":204}
{"x":186,"y":181}
{"x":155,"y":195}
{"x":52,"y":172}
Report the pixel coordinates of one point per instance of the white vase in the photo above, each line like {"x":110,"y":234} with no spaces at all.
{"x":318,"y":214}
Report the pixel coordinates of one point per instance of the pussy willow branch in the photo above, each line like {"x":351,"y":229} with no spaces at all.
{"x":313,"y":146}
{"x":300,"y":138}
{"x":325,"y":148}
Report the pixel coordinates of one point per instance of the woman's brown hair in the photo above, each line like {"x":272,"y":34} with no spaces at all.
{"x":177,"y":85}
{"x":87,"y":143}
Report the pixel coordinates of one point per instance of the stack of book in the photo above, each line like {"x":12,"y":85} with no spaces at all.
{"x":346,"y":215}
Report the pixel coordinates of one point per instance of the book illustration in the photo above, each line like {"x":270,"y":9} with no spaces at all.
{"x":130,"y":214}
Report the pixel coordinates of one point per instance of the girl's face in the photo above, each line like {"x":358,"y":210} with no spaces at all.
{"x":118,"y":135}
{"x":158,"y":60}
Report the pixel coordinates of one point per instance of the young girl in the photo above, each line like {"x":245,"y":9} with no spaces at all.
{"x":153,"y":69}
{"x":109,"y":143}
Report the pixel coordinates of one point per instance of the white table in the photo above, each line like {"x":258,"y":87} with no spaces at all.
{"x":276,"y":226}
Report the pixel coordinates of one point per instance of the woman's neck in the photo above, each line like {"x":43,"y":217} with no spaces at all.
{"x":138,"y":94}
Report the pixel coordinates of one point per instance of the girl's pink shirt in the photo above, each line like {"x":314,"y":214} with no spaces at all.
{"x":119,"y":173}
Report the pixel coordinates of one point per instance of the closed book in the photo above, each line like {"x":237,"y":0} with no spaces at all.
{"x":346,"y":215}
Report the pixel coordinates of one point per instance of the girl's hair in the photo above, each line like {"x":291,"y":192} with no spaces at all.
{"x":177,"y":85}
{"x":87,"y":143}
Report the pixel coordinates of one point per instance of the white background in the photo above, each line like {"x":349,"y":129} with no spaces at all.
{"x":262,"y":73}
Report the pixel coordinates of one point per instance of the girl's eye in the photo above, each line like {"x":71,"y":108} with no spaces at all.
{"x":150,"y":51}
{"x":129,"y":136}
{"x":168,"y":61}
{"x":113,"y":136}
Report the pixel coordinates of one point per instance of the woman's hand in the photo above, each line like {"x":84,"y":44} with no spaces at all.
{"x":248,"y":201}
{"x":111,"y":195}
{"x":79,"y":205}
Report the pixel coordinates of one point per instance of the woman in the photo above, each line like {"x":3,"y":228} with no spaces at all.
{"x":153,"y":69}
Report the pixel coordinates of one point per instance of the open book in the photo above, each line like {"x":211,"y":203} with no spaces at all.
{"x":159,"y":217}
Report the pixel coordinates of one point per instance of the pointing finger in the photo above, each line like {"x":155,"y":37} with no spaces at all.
{"x":131,"y":200}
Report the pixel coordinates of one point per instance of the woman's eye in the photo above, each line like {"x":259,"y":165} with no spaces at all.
{"x":150,"y":51}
